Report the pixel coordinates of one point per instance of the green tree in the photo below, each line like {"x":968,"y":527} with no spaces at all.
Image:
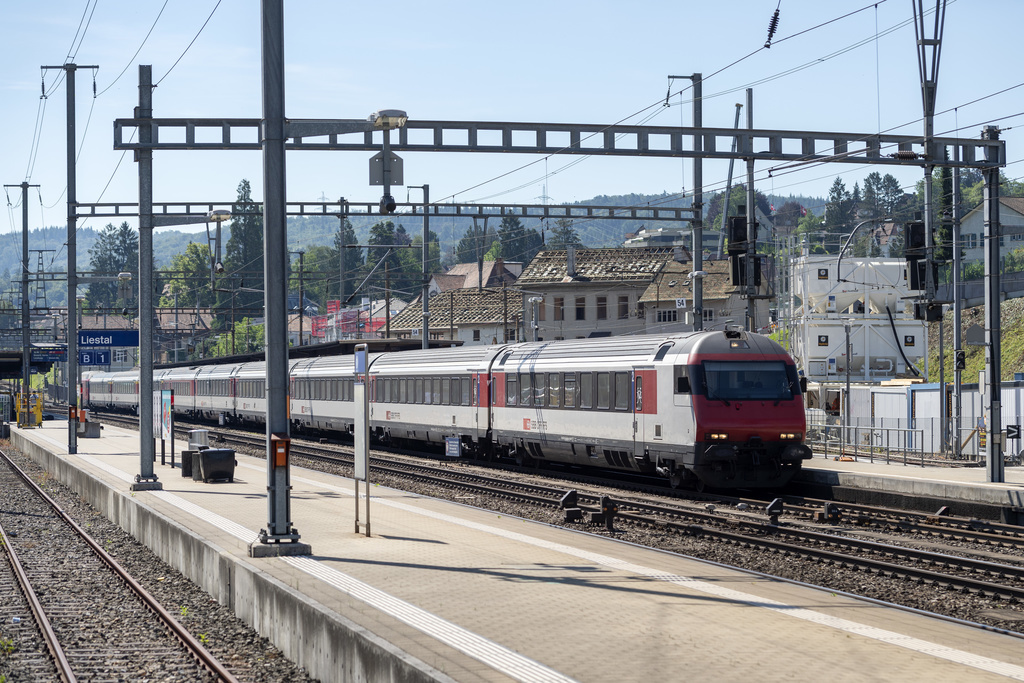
{"x":243,"y":262}
{"x":321,"y":270}
{"x":737,"y":198}
{"x":353,"y":260}
{"x":839,"y":211}
{"x":871,"y":201}
{"x":895,"y":202}
{"x":476,"y":242}
{"x":563,"y":235}
{"x":116,"y":251}
{"x":188,"y":277}
{"x":787,"y":217}
{"x":515,"y":242}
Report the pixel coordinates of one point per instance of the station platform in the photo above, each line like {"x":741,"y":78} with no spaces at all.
{"x":446,"y":592}
{"x":964,"y":490}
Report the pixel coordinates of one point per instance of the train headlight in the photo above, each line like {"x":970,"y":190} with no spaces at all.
{"x":790,"y":436}
{"x":716,"y":436}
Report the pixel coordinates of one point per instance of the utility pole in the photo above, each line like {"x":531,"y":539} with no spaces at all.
{"x":751,"y":225}
{"x":994,"y":466}
{"x":69,"y":73}
{"x":280,"y":537}
{"x":302,"y":293}
{"x":387,"y":302}
{"x":957,"y":342}
{"x":425,"y":295}
{"x":26,"y":337}
{"x":146,"y":479}
{"x":698,"y":206}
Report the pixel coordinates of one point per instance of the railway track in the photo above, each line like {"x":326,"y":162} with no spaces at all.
{"x":79,"y":605}
{"x":836,"y":543}
{"x":997,"y":579}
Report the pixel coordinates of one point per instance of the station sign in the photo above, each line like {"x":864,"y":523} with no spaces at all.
{"x":94,"y":357}
{"x":108,"y":338}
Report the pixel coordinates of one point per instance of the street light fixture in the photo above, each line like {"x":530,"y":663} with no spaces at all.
{"x":386,"y":119}
{"x":218,"y":216}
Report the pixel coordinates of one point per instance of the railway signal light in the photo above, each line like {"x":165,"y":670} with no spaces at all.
{"x":387,"y":204}
{"x":960,"y":360}
{"x":737,"y":235}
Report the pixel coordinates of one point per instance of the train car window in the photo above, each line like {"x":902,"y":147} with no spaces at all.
{"x":554,"y":390}
{"x":456,"y":391}
{"x":622,"y":391}
{"x":467,"y":391}
{"x":435,"y":391}
{"x":418,"y":391}
{"x":639,"y":393}
{"x":511,"y":390}
{"x":662,"y":352}
{"x":505,"y":358}
{"x":586,"y":390}
{"x":525,"y":389}
{"x":604,"y":391}
{"x":403,"y":390}
{"x":446,"y":391}
{"x":540,"y":390}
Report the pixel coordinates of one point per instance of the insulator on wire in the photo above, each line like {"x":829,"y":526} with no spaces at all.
{"x":773,"y":26}
{"x":905,"y":155}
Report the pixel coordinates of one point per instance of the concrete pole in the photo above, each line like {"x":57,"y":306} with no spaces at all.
{"x":279,"y":529}
{"x":751,"y":224}
{"x":994,"y":467}
{"x":147,"y":447}
{"x":698,"y":205}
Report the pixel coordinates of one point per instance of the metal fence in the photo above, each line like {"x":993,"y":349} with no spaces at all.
{"x":897,"y":440}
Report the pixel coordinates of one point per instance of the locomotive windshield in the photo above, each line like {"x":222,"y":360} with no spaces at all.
{"x":748,"y":380}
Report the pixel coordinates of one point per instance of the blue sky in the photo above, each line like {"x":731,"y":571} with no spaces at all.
{"x":595,"y":62}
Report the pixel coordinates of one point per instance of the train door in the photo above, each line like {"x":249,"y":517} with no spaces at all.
{"x":639,"y":380}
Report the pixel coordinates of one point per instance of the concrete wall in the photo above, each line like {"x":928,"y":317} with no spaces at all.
{"x":329,"y":646}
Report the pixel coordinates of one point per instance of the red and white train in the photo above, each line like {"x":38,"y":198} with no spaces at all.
{"x":720,"y":409}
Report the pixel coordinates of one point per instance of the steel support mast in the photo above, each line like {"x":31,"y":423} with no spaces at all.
{"x":280,"y":537}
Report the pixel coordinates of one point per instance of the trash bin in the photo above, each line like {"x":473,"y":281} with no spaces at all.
{"x":214,"y":463}
{"x":198,"y":437}
{"x":186,"y":463}
{"x":89,"y":430}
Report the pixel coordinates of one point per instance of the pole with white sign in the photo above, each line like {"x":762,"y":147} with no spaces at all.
{"x":361,"y":436}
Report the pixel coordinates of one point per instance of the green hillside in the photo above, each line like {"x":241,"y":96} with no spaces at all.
{"x":1011,"y":343}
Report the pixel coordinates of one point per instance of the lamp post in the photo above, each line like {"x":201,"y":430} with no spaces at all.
{"x":218,"y":216}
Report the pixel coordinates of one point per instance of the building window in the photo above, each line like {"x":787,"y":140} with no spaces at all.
{"x":559,"y":308}
{"x":667,"y":316}
{"x":709,"y":315}
{"x":541,"y":313}
{"x":476,"y":335}
{"x":602,"y":308}
{"x":581,"y":308}
{"x":120,"y":356}
{"x":623,"y":307}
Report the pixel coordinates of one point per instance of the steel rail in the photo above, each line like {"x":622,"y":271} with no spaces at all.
{"x":192,"y":644}
{"x":49,"y":636}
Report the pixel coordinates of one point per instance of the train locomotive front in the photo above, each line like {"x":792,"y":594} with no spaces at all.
{"x":741,"y":417}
